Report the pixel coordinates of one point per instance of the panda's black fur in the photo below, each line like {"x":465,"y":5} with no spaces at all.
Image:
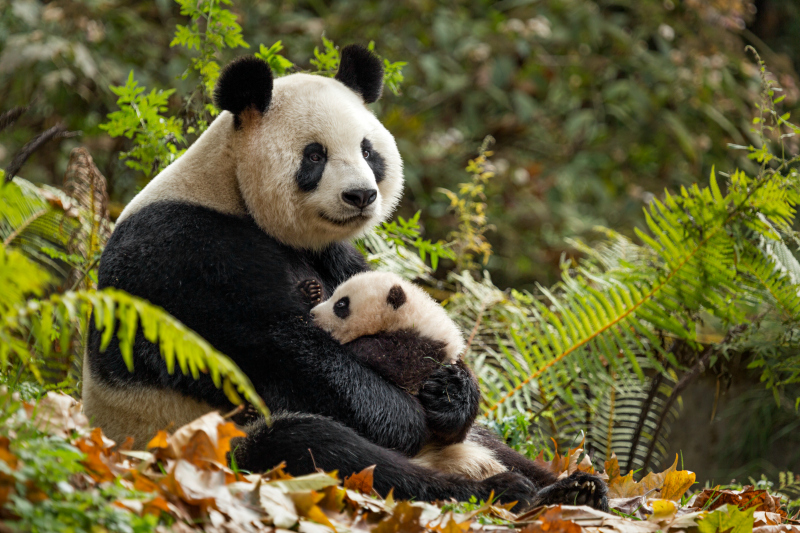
{"x":224,"y":276}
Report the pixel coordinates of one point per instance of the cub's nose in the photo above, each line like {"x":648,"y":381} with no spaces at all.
{"x":360,"y":198}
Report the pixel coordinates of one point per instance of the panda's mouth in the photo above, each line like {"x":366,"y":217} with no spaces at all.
{"x":359,"y":218}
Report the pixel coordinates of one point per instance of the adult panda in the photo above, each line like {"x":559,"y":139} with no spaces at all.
{"x":267,"y":197}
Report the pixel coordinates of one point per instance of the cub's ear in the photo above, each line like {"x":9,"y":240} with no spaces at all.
{"x":245,"y":83}
{"x":362,"y":71}
{"x":396,"y":297}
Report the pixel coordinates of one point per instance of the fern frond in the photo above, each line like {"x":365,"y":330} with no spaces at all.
{"x":608,"y":319}
{"x":35,"y":218}
{"x":117,"y":311}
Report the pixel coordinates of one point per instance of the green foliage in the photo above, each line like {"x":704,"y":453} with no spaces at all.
{"x":279,"y":64}
{"x":211,"y":29}
{"x":37,"y":326}
{"x":406,"y":233}
{"x":326,"y":63}
{"x":156,"y":138}
{"x":469,"y":204}
{"x":44,"y":500}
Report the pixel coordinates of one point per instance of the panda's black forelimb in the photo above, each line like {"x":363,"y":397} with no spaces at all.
{"x":451,"y":399}
{"x":310,"y":442}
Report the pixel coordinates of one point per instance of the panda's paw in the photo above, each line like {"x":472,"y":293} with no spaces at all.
{"x":246,"y":416}
{"x":511,"y":487}
{"x":311,"y":291}
{"x":578,"y":489}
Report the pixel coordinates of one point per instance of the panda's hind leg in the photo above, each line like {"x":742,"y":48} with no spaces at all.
{"x":310,"y":442}
{"x":578,"y":489}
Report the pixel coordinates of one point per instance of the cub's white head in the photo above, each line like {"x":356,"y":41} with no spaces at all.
{"x":314,"y":164}
{"x":381,"y":302}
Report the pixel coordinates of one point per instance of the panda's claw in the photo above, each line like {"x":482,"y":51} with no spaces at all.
{"x":311,"y":291}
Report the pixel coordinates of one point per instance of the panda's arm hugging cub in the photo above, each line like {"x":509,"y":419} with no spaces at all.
{"x":268,"y":196}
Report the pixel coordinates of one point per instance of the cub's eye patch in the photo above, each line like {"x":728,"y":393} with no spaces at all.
{"x":311,"y":167}
{"x":342,"y":307}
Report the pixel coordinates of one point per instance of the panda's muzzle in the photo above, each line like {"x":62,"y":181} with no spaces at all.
{"x":359,"y":198}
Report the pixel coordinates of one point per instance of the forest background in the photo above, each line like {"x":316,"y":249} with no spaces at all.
{"x":595,"y":108}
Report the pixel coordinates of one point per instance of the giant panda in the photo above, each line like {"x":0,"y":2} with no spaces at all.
{"x":271,"y":194}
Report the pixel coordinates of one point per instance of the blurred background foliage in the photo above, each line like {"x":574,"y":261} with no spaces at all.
{"x":596,"y":106}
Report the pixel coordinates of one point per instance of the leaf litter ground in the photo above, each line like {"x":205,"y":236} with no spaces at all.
{"x":184,"y":480}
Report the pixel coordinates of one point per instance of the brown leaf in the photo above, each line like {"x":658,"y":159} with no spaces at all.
{"x":361,"y":481}
{"x":551,"y":522}
{"x":746,"y":498}
{"x":404,"y":519}
{"x":612,"y":468}
{"x":200,"y":451}
{"x":156,"y":506}
{"x":98,"y":461}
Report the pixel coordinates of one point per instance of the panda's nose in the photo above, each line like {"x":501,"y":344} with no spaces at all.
{"x":360,"y":198}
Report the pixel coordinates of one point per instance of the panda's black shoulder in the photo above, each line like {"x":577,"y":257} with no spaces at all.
{"x":171,"y":243}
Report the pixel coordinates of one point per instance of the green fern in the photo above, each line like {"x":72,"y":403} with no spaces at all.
{"x":37,"y":326}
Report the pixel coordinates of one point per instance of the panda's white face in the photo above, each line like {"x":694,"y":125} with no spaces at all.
{"x":318,"y":166}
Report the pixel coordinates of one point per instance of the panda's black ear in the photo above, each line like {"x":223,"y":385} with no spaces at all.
{"x":245,"y":83}
{"x":362,"y":71}
{"x":396,"y":297}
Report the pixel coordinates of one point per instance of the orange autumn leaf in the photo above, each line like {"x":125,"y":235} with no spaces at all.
{"x":612,"y":468}
{"x":743,"y":499}
{"x":96,"y":461}
{"x":453,"y":527}
{"x":226,"y":432}
{"x":199,"y":451}
{"x":142,"y":483}
{"x":156,"y":506}
{"x":551,"y":522}
{"x":361,"y":481}
{"x":159,"y":441}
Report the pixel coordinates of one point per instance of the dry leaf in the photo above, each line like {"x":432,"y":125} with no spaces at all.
{"x":676,"y":484}
{"x":405,"y":518}
{"x":361,"y":481}
{"x":551,"y":521}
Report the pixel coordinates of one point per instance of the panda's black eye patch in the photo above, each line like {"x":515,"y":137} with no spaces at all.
{"x":374,"y":160}
{"x":311,"y":167}
{"x":342,"y":307}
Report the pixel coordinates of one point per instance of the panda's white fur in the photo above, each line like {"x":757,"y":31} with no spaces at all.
{"x":370,"y":313}
{"x":251,"y":170}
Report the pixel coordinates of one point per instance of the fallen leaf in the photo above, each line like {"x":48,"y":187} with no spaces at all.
{"x":746,"y":498}
{"x":278,"y":506}
{"x":551,"y":521}
{"x":663,"y":509}
{"x":361,"y":481}
{"x":159,"y":441}
{"x":317,"y":481}
{"x":405,"y":518}
{"x":727,"y":519}
{"x":676,"y":484}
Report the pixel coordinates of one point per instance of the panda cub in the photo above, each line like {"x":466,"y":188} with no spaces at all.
{"x":392,"y":325}
{"x":403,"y":334}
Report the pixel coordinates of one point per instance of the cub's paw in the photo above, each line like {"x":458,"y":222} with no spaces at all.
{"x":578,"y":489}
{"x":246,"y":416}
{"x":311,"y":291}
{"x":511,"y":487}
